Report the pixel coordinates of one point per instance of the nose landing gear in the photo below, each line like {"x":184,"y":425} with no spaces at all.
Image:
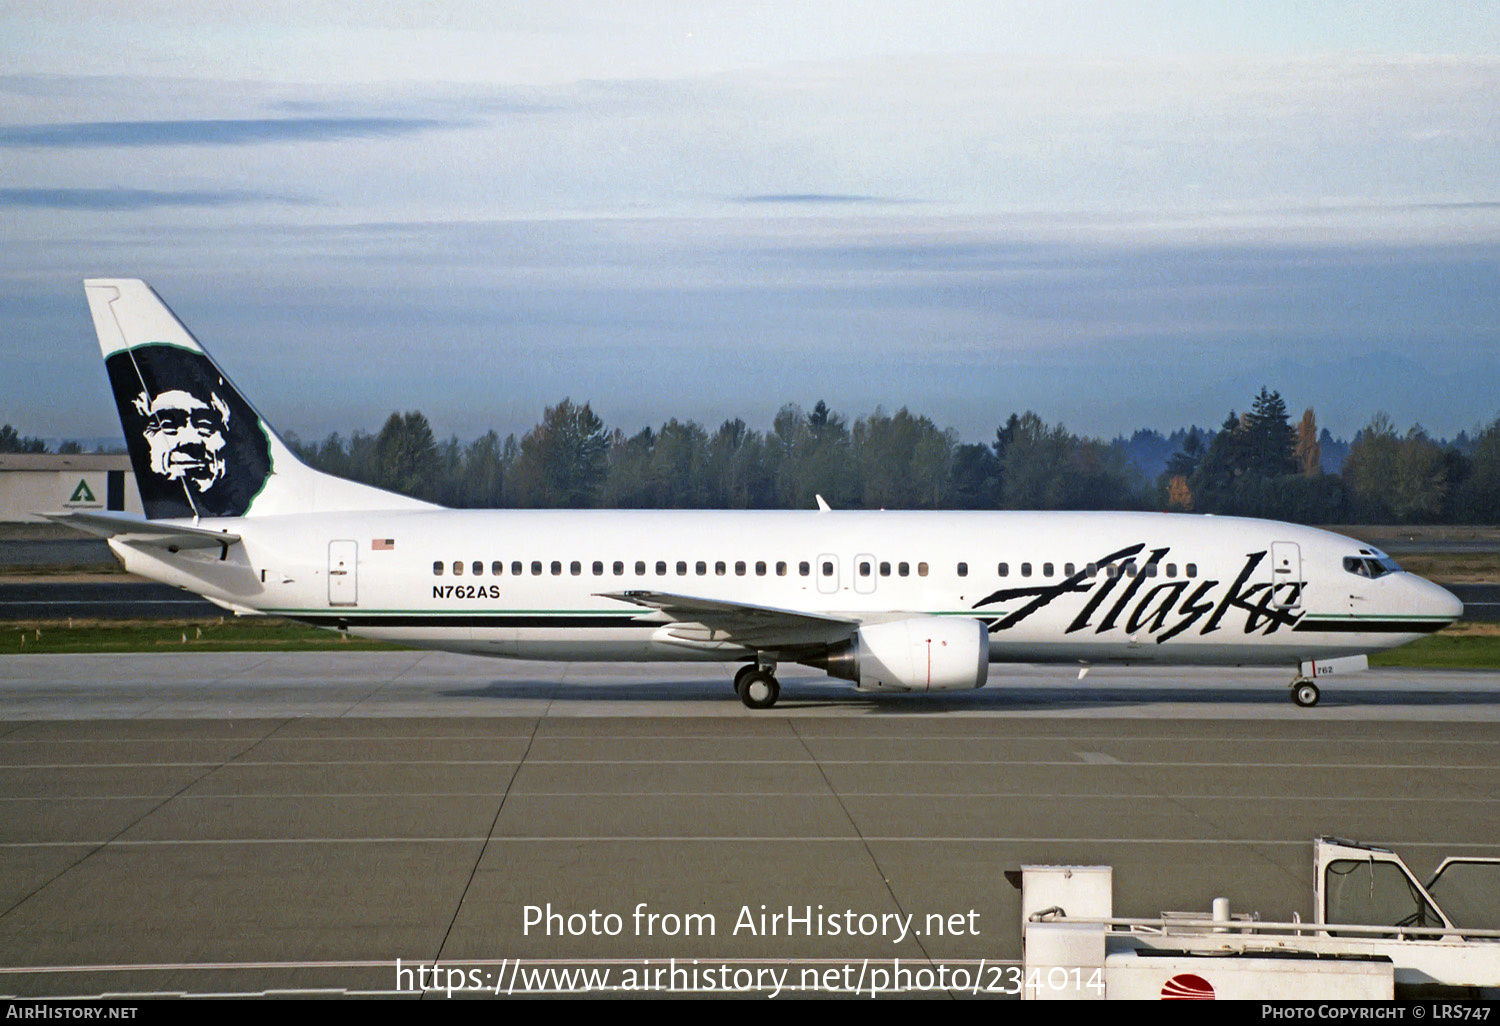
{"x":1305,"y":693}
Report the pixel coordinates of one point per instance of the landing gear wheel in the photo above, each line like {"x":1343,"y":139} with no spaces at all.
{"x":741,"y":674}
{"x":759,"y":690}
{"x":1305,"y":694}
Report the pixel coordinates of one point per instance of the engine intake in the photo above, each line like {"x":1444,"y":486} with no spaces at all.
{"x":921,"y":653}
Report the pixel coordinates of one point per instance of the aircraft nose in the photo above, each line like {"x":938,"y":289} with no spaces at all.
{"x":1439,"y":601}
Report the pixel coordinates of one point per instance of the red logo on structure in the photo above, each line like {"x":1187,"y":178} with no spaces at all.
{"x":1187,"y":987}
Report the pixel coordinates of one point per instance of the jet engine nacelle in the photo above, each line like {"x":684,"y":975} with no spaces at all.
{"x":922,"y":653}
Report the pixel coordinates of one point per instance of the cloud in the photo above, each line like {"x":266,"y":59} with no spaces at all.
{"x":214,"y":131}
{"x":130,"y":199}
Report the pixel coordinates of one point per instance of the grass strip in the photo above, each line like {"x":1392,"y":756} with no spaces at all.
{"x":237,"y":634}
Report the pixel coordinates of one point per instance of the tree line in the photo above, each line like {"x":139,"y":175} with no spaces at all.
{"x":1259,"y":464}
{"x":1256,"y":464}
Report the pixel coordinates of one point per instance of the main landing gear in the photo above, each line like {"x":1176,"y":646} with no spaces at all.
{"x":757,"y":685}
{"x":1304,"y":692}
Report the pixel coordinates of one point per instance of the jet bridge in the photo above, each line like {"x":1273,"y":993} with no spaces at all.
{"x":1377,"y":933}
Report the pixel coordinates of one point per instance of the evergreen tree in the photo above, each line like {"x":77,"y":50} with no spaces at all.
{"x":562,"y":461}
{"x":1270,"y":440}
{"x":1184,"y":463}
{"x":975,"y":478}
{"x":407,"y":456}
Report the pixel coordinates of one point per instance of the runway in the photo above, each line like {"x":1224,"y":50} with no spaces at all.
{"x":245,"y":823}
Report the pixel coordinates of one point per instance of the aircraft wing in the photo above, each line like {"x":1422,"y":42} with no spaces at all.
{"x":133,"y":530}
{"x":738,"y":623}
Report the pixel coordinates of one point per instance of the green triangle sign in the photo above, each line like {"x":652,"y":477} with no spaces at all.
{"x":82,"y":493}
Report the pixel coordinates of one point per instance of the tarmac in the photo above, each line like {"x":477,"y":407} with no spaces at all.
{"x":251,"y":823}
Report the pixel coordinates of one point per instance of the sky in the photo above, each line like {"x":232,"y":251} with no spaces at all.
{"x":1119,"y":215}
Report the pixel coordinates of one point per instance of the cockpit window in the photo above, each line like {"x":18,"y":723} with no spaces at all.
{"x":1370,"y":566}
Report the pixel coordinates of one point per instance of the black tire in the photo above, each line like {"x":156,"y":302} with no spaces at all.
{"x":1305,"y":694}
{"x":741,"y":674}
{"x":759,"y":690}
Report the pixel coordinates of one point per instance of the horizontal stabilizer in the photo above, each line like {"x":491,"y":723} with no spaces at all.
{"x":133,"y":530}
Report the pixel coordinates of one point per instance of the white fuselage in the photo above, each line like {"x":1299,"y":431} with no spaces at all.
{"x":1166,"y":588}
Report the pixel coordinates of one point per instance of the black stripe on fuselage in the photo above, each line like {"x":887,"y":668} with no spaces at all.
{"x":1371,"y":626}
{"x":465,"y":620}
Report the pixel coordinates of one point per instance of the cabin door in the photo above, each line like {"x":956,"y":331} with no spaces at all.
{"x":1286,"y":575}
{"x":343,"y":573}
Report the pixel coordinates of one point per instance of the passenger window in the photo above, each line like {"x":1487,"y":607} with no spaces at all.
{"x":1113,"y":571}
{"x":719,"y":568}
{"x":865,"y":568}
{"x":700,"y":568}
{"x":903,"y":569}
{"x":640,"y":568}
{"x":1046,"y":569}
{"x":682,"y":568}
{"x":598,"y":568}
{"x":1171,"y":569}
{"x":478,"y":568}
{"x":760,"y":568}
{"x":575,"y":568}
{"x":556,"y":568}
{"x":619,"y":568}
{"x":1192,"y":569}
{"x":1130,"y":568}
{"x":827,"y":568}
{"x":458,"y":568}
{"x":1025,"y":569}
{"x":1150,"y":569}
{"x":536,"y":568}
{"x":497,"y":568}
{"x":661,"y":568}
{"x":921,"y":569}
{"x":516,"y":568}
{"x":885,"y":569}
{"x":804,"y":568}
{"x":437,"y":568}
{"x":739,"y":568}
{"x":1068,"y":570}
{"x":1003,"y":569}
{"x":781,"y":569}
{"x":1093,"y":570}
{"x":963,"y":569}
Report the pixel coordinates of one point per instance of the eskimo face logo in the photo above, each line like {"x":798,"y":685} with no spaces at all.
{"x":198,"y":448}
{"x":185,"y":436}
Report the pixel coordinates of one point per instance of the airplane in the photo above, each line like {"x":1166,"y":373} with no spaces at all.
{"x":892,"y":601}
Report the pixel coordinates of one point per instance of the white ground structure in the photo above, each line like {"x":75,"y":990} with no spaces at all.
{"x":47,"y":482}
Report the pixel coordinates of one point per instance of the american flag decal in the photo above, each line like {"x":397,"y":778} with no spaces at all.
{"x":383,"y":544}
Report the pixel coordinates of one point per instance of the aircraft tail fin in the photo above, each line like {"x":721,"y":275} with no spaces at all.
{"x":198,"y":448}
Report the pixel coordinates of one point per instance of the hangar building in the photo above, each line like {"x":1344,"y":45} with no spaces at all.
{"x":49,"y":483}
